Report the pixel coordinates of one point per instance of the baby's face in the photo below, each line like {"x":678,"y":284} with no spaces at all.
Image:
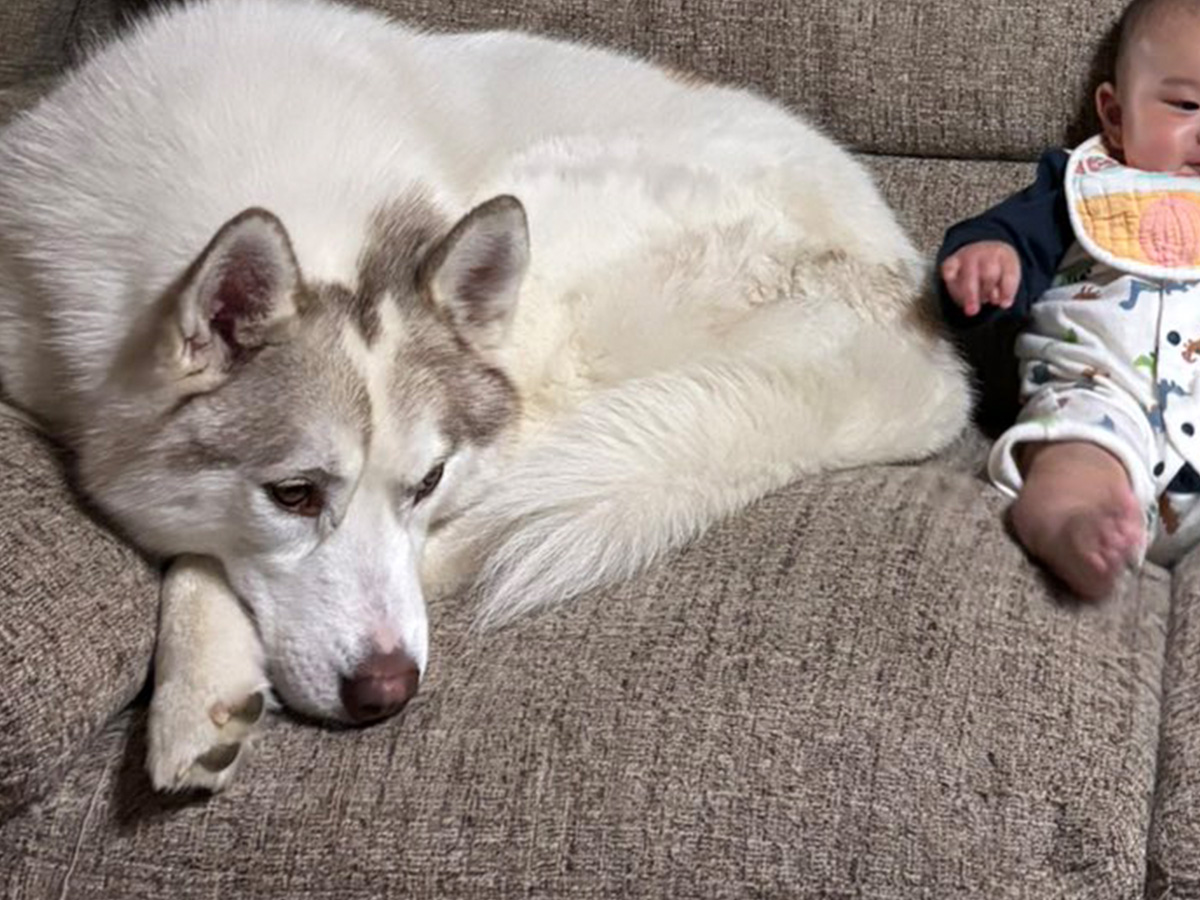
{"x":1153,"y":114}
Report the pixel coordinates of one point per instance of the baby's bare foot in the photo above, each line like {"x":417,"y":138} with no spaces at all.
{"x":1087,"y":530}
{"x":1094,"y":549}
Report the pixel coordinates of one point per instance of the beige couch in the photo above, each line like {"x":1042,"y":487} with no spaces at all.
{"x":860,"y":688}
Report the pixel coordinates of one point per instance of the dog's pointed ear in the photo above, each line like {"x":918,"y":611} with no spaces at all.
{"x":239,"y":295}
{"x":474,"y":274}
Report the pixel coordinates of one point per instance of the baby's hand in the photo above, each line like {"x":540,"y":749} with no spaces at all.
{"x":983,"y":272}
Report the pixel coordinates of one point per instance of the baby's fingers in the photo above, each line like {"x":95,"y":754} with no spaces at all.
{"x":1010,"y":281}
{"x":991,"y":276}
{"x":964,"y":287}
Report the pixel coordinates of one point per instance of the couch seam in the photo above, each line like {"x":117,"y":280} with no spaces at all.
{"x":1155,"y":783}
{"x":882,"y":154}
{"x":65,"y":886}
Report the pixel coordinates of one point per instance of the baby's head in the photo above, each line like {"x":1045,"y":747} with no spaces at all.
{"x":1151,"y":109}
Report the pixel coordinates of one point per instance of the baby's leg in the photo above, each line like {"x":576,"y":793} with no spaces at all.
{"x":1078,"y":514}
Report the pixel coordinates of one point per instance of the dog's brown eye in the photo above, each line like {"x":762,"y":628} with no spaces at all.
{"x":300,"y":497}
{"x":428,"y":483}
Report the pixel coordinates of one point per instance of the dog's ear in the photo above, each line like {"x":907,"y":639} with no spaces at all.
{"x":239,"y":295}
{"x":474,"y":274}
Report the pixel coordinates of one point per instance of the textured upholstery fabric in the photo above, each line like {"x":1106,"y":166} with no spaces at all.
{"x":1173,"y":869}
{"x":35,"y":36}
{"x":822,"y":696}
{"x":929,"y":195}
{"x":77,"y":621}
{"x":858,"y":688}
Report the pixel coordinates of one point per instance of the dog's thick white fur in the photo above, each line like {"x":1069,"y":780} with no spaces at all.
{"x":319,"y":301}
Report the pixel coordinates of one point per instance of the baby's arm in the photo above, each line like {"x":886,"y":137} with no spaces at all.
{"x":976,"y":275}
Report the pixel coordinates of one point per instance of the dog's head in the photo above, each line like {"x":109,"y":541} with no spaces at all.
{"x":307,"y":435}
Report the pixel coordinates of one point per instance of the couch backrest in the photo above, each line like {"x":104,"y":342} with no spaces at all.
{"x":982,"y":79}
{"x":33,"y":38}
{"x":39,"y":37}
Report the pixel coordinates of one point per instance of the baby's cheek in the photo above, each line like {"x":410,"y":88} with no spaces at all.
{"x":1162,"y":149}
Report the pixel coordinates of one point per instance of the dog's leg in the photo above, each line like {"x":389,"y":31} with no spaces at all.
{"x":210,"y":684}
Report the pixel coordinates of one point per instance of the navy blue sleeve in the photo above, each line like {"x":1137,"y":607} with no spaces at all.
{"x":1037,"y":225}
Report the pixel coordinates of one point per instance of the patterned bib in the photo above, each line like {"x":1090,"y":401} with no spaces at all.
{"x":1143,"y":223}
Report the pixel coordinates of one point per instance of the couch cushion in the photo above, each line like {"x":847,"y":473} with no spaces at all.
{"x":859,"y":687}
{"x":77,"y":621}
{"x":1173,"y":868}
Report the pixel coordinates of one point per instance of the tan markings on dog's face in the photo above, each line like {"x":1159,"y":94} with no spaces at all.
{"x":253,"y":418}
{"x":276,"y":401}
{"x":401,"y":235}
{"x":370,"y":380}
{"x":376,"y":363}
{"x":359,"y":307}
{"x":398,"y":238}
{"x":476,"y":400}
{"x":409,"y":354}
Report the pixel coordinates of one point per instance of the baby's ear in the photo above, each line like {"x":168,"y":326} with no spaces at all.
{"x":1108,"y":107}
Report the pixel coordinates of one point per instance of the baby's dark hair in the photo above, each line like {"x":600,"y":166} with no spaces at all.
{"x":1140,"y":15}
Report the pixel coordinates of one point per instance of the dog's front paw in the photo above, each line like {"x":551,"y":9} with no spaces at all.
{"x":196,"y":739}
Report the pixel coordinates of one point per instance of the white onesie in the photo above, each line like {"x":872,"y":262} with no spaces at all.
{"x":1112,"y":351}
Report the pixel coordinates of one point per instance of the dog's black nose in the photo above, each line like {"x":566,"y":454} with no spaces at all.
{"x":380,"y":686}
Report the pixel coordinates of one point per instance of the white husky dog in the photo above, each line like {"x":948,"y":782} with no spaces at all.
{"x":334,"y":313}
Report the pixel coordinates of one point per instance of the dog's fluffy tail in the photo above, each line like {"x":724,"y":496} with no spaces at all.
{"x":644,"y":466}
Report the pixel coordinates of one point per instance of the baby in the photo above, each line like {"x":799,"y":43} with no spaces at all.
{"x":1102,"y":255}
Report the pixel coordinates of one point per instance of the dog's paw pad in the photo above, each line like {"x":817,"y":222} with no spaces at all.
{"x":239,"y":717}
{"x":192,"y":747}
{"x":219,"y":758}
